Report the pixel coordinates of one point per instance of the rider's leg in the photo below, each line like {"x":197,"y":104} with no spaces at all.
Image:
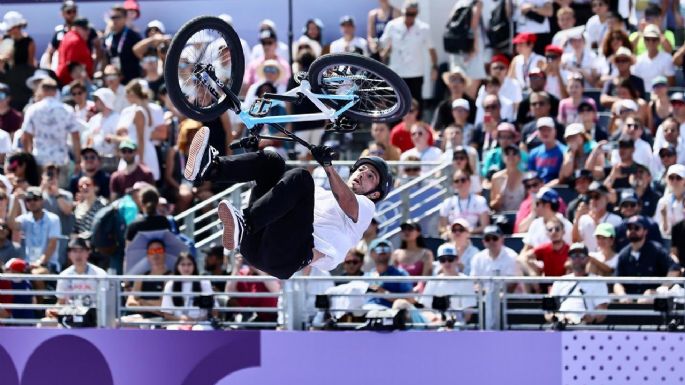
{"x":264,"y":167}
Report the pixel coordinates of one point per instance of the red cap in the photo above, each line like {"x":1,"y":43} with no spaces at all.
{"x":555,"y":49}
{"x":525,"y":37}
{"x":16,"y":265}
{"x":132,"y":5}
{"x":499,"y":58}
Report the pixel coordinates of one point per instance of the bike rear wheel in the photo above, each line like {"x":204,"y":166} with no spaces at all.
{"x":202,"y":42}
{"x":383,"y":95}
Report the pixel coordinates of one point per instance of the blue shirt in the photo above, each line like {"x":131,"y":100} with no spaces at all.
{"x":22,"y":299}
{"x":392,"y":287}
{"x":38,"y":233}
{"x":546,"y":162}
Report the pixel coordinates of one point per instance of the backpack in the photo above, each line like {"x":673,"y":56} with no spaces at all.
{"x":184,"y":238}
{"x":499,"y":28}
{"x":458,"y":36}
{"x":108,"y":231}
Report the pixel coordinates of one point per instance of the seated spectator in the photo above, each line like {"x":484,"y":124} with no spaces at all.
{"x":597,"y":25}
{"x":457,"y":83}
{"x":409,"y":173}
{"x":669,"y":209}
{"x":83,"y":108}
{"x":618,"y":177}
{"x":566,"y":18}
{"x":380,"y":132}
{"x":546,"y":207}
{"x":242,"y":269}
{"x":618,"y":58}
{"x":156,"y":257}
{"x":460,"y":238}
{"x":580,"y":182}
{"x":573,"y":293}
{"x":10,"y":119}
{"x":380,"y":254}
{"x":509,"y":89}
{"x":547,"y":158}
{"x":652,"y":16}
{"x":678,"y":242}
{"x":628,"y":103}
{"x":538,"y":87}
{"x":215,"y":264}
{"x":549,"y":258}
{"x":568,"y":107}
{"x":581,"y":60}
{"x":420,"y":134}
{"x":653,"y":62}
{"x":634,"y":129}
{"x":17,"y":266}
{"x":112,"y":78}
{"x":91,"y":167}
{"x":582,"y":153}
{"x":660,"y":107}
{"x":525,"y":214}
{"x":507,"y":191}
{"x":484,"y":134}
{"x":103,"y":126}
{"x":451,"y":143}
{"x":603,"y":261}
{"x":352,"y":265}
{"x":464,"y":204}
{"x":412,"y":256}
{"x":540,"y":107}
{"x":641,"y":182}
{"x":667,"y":157}
{"x":183,"y":294}
{"x":642,"y":258}
{"x":462,"y":160}
{"x":461,"y":293}
{"x":588,"y":217}
{"x":73,"y":286}
{"x":78,"y":73}
{"x":588,"y":118}
{"x":556,"y":76}
{"x":268,"y":40}
{"x":400,"y":135}
{"x":349,"y":42}
{"x":87,"y":205}
{"x":630,"y":205}
{"x":150,"y":219}
{"x":669,"y":133}
{"x":493,"y":86}
{"x":23,"y":166}
{"x":8,"y":249}
{"x":496,"y":259}
{"x":460,"y":111}
{"x":123,"y":180}
{"x":526,"y":59}
{"x":493,"y":160}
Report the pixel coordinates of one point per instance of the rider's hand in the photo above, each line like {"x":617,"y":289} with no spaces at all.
{"x":323,"y":155}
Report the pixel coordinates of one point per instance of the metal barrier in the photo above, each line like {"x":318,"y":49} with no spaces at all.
{"x":493,"y":306}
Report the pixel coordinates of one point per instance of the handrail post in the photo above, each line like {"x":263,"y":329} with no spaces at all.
{"x":106,"y":302}
{"x":288,"y":305}
{"x":404,"y":196}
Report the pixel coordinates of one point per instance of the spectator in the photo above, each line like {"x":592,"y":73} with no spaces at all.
{"x":496,"y":259}
{"x":8,"y":249}
{"x":119,"y":45}
{"x":282,"y":49}
{"x":526,"y":59}
{"x":48,"y":141}
{"x":70,"y":15}
{"x":492,"y":85}
{"x":603,"y":262}
{"x":247,"y":52}
{"x":362,"y":246}
{"x":509,"y":88}
{"x":122,"y":180}
{"x":349,"y":42}
{"x":457,"y":83}
{"x":566,"y":18}
{"x":538,"y":85}
{"x":380,"y":132}
{"x":660,"y":106}
{"x":112,"y":77}
{"x":59,"y":202}
{"x":633,"y":129}
{"x":507,"y":191}
{"x":21,"y":60}
{"x":525,"y":214}
{"x":552,"y":255}
{"x":83,"y":108}
{"x":91,"y":167}
{"x":460,"y":238}
{"x":588,"y":118}
{"x":568,"y":108}
{"x":78,"y":74}
{"x":74,"y":49}
{"x":242,"y":269}
{"x":598,"y":25}
{"x":378,"y":18}
{"x":580,"y":182}
{"x":669,"y":209}
{"x":23,"y":166}
{"x":582,"y":153}
{"x":642,"y":258}
{"x":668,"y":156}
{"x":461,"y":160}
{"x":652,"y":62}
{"x":156,"y":257}
{"x":546,"y":208}
{"x":150,"y":220}
{"x":557,"y":77}
{"x":540,"y":107}
{"x":352,"y":265}
{"x":494,"y":159}
{"x":678,"y":242}
{"x":18,"y":266}
{"x":400,"y":135}
{"x":630,"y":205}
{"x":581,"y":60}
{"x":420,"y":133}
{"x":547,"y":158}
{"x":215,"y":264}
{"x":452,"y":141}
{"x":575,"y":307}
{"x":484,"y":135}
{"x":622,"y":60}
{"x":305,"y":295}
{"x":473,"y":61}
{"x":588,"y":217}
{"x":652,"y":16}
{"x":412,"y":255}
{"x":41,"y":230}
{"x":268,"y":40}
{"x":402,"y":42}
{"x":82,"y":291}
{"x":462,"y":295}
{"x":640,"y":181}
{"x":10,"y":119}
{"x":613,"y":42}
{"x":88,"y":204}
{"x":381,"y":251}
{"x":628,"y":103}
{"x":624,"y":167}
{"x":464,"y":204}
{"x":184,"y":294}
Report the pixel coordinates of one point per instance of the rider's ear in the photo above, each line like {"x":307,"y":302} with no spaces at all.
{"x":374,"y":195}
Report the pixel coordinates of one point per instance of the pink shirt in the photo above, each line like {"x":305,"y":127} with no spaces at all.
{"x":568,"y":112}
{"x":252,"y":77}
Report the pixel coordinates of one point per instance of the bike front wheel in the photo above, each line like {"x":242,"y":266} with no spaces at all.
{"x":383,"y":95}
{"x":204,"y":44}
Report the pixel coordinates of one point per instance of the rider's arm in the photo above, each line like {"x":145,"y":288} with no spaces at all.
{"x":347,"y":200}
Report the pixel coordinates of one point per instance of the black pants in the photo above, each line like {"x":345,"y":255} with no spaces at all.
{"x":280,"y":215}
{"x":415,"y":86}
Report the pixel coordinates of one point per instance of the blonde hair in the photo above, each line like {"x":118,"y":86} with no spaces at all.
{"x":142,"y":92}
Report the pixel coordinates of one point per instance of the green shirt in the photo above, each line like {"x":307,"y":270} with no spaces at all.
{"x":640,"y":48}
{"x":494,"y":158}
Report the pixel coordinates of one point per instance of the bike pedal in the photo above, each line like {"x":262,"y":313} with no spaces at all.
{"x":260,"y":108}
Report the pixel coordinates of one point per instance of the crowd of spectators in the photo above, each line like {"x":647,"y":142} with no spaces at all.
{"x":571,"y":135}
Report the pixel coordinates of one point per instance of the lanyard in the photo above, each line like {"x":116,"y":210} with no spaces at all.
{"x":468,"y":203}
{"x":122,"y":40}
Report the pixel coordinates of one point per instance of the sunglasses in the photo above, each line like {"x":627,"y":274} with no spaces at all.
{"x":412,"y":169}
{"x":490,"y":238}
{"x":33,"y":199}
{"x":629,"y":204}
{"x":554,"y":229}
{"x":3,"y":96}
{"x":150,"y":59}
{"x":460,"y":157}
{"x":490,"y":107}
{"x":675,"y":177}
{"x":666,"y":154}
{"x":632,"y":125}
{"x":651,"y":40}
{"x":116,"y":77}
{"x":460,"y":180}
{"x":352,"y":262}
{"x":155,"y":251}
{"x":271,"y":70}
{"x":531,"y":185}
{"x":633,"y":228}
{"x":537,"y":104}
{"x":116,"y":17}
{"x":577,"y":255}
{"x":411,"y":14}
{"x":659,"y":85}
{"x":382,"y":250}
{"x":446,"y":258}
{"x":126,"y":151}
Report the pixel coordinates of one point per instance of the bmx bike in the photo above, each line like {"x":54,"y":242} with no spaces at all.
{"x":204,"y":73}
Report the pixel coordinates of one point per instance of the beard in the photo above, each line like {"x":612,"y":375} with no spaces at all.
{"x":634,"y":238}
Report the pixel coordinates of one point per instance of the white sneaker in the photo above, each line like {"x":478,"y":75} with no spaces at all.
{"x":200,"y":156}
{"x":234,"y":225}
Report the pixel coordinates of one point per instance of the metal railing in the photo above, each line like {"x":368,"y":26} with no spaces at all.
{"x":495,"y":307}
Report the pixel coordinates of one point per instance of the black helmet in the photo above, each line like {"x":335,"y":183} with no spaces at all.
{"x":386,"y":181}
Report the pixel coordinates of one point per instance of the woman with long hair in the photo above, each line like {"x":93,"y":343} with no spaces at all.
{"x":23,"y":166}
{"x":88,"y":204}
{"x":412,"y":255}
{"x":150,"y":219}
{"x":184,"y":294}
{"x":604,"y":260}
{"x":613,"y":40}
{"x":626,"y":91}
{"x":462,"y":161}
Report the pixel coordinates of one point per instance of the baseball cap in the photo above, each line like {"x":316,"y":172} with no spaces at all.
{"x":623,"y":52}
{"x":598,"y":188}
{"x":86,"y":150}
{"x":676,"y":169}
{"x":548,"y":195}
{"x":156,"y":24}
{"x":668,"y":148}
{"x":586,"y":104}
{"x":536,"y":72}
{"x":128,"y":145}
{"x":499,"y":58}
{"x":525,"y":37}
{"x":34,"y":192}
{"x":347,"y":19}
{"x":506,"y":127}
{"x":637,"y":220}
{"x":530,"y":175}
{"x":461,"y":103}
{"x":82,"y":22}
{"x":652,"y":31}
{"x":447,"y":249}
{"x":577,"y":248}
{"x":462,"y":222}
{"x":492,"y":230}
{"x":78,"y":242}
{"x":554,"y":49}
{"x":605,"y":230}
{"x":659,"y":80}
{"x":379,"y":242}
{"x":267,"y":33}
{"x":677,"y":97}
{"x":545,"y":122}
{"x":68,"y":4}
{"x":583,"y":173}
{"x":627,"y":105}
{"x":511,"y":147}
{"x":574,"y":129}
{"x":16,"y":265}
{"x":628,"y":195}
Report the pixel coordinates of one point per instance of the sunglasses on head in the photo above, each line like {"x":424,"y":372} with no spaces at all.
{"x":490,"y":238}
{"x":447,"y":258}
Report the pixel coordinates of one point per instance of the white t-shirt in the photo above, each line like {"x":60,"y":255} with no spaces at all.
{"x":522,"y":69}
{"x":602,"y":258}
{"x":77,"y":286}
{"x":642,"y":154}
{"x":5,"y":142}
{"x":588,"y":62}
{"x":470,"y":209}
{"x":595,"y":31}
{"x":562,"y":37}
{"x":430,"y":154}
{"x":455,"y":289}
{"x":552,"y":86}
{"x":506,"y":110}
{"x":537,"y":232}
{"x":99,"y":127}
{"x":648,"y":68}
{"x":674,"y":213}
{"x":334,"y":232}
{"x":188,"y":297}
{"x":120,"y":101}
{"x":409,"y":46}
{"x":583,"y":290}
{"x":482,"y":265}
{"x":342,"y":46}
{"x":586,"y":227}
{"x":524,"y":24}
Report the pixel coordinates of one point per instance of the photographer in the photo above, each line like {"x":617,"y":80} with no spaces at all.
{"x":187,"y":296}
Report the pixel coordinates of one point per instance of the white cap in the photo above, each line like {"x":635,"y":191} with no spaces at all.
{"x":677,"y":169}
{"x":652,"y":31}
{"x":461,"y":103}
{"x":157,"y":24}
{"x":574,"y":129}
{"x":545,"y":122}
{"x":463,"y":223}
{"x":447,"y":249}
{"x":106,"y":96}
{"x":269,"y":23}
{"x":11,"y":20}
{"x":627,"y":104}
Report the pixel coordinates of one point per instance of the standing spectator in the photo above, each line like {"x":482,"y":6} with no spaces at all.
{"x":103,"y":125}
{"x":10,"y":119}
{"x":653,"y":62}
{"x":630,"y":206}
{"x":652,"y":17}
{"x":242,"y":269}
{"x":552,"y":254}
{"x":603,"y":262}
{"x":547,"y":158}
{"x":88,"y":204}
{"x":587,"y":220}
{"x":546,"y":208}
{"x":420,"y":132}
{"x":581,"y":60}
{"x":400,"y":135}
{"x":472,"y":62}
{"x":412,"y":255}
{"x":282,"y":49}
{"x":182,"y":294}
{"x":568,"y":108}
{"x":457,"y":83}
{"x":378,"y":18}
{"x":556,"y":75}
{"x":403,"y":43}
{"x":46,"y":126}
{"x":41,"y":230}
{"x":507,"y":191}
{"x":464,"y":204}
{"x":532,"y":18}
{"x":509,"y":89}
{"x":566,"y":18}
{"x":8,"y":249}
{"x":642,"y":258}
{"x":460,"y":238}
{"x":83,"y":108}
{"x":613,"y":41}
{"x":122,"y":180}
{"x":119,"y":45}
{"x":69,"y":14}
{"x":22,"y":62}
{"x":622,"y":61}
{"x":91,"y":167}
{"x":526,"y":59}
{"x":59,"y":202}
{"x":598,"y":25}
{"x":112,"y":78}
{"x":150,"y":220}
{"x":74,"y":49}
{"x":349,"y":42}
{"x":381,"y":251}
{"x":669,"y":210}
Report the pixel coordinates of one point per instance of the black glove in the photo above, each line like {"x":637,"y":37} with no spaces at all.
{"x":323,"y":155}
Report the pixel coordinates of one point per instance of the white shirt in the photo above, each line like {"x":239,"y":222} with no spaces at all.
{"x":524,"y":24}
{"x":588,"y":61}
{"x":453,"y":289}
{"x":470,"y":208}
{"x":595,"y":31}
{"x":552,"y":86}
{"x":257,"y":53}
{"x":675,"y":212}
{"x":430,"y":154}
{"x":602,"y":258}
{"x":522,"y":69}
{"x":537,"y":232}
{"x":188,"y":298}
{"x":586,"y":227}
{"x":408,"y":46}
{"x":482,"y":265}
{"x":5,"y":142}
{"x":581,"y":296}
{"x":506,"y":110}
{"x":99,"y":127}
{"x":120,"y":101}
{"x":341,"y":45}
{"x":648,"y":68}
{"x":561,"y":38}
{"x":79,"y":286}
{"x":334,"y":232}
{"x":642,"y":155}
